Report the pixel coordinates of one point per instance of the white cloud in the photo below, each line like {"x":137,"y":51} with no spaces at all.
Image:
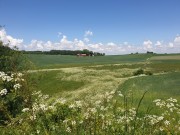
{"x":177,"y":40}
{"x":159,"y":44}
{"x":88,"y":33}
{"x":147,"y":45}
{"x":77,"y":44}
{"x":35,"y":45}
{"x":86,"y":39}
{"x":7,"y":39}
{"x":171,"y":45}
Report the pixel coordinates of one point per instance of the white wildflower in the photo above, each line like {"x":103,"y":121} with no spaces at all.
{"x":161,"y":104}
{"x":68,"y":129}
{"x":65,"y":121}
{"x":3,"y":92}
{"x":80,"y":121}
{"x":112,"y":92}
{"x":72,"y":106}
{"x":7,"y":78}
{"x":98,"y":102}
{"x":20,"y":121}
{"x":78,"y":104}
{"x":45,"y":97}
{"x":32,"y":117}
{"x":169,"y":105}
{"x":172,"y":100}
{"x":19,"y":74}
{"x":109,"y":122}
{"x":25,"y":110}
{"x":43,"y":107}
{"x":161,"y":128}
{"x":61,"y":100}
{"x":160,"y":118}
{"x":93,"y":110}
{"x":86,"y":115}
{"x":102,"y":108}
{"x":51,"y":107}
{"x":73,"y":122}
{"x":12,"y":75}
{"x":2,"y":74}
{"x":166,"y":122}
{"x":38,"y":131}
{"x":157,"y":100}
{"x":17,"y":86}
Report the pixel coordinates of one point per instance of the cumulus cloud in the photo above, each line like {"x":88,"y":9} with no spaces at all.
{"x":147,"y":45}
{"x":88,"y":33}
{"x":86,"y":39}
{"x":177,"y":40}
{"x":171,"y":45}
{"x":158,"y":44}
{"x":76,"y":44}
{"x":7,"y":39}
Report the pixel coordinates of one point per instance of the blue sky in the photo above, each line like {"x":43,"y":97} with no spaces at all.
{"x":111,"y":22}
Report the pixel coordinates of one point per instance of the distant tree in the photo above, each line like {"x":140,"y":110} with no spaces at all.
{"x":149,"y":52}
{"x":86,"y":51}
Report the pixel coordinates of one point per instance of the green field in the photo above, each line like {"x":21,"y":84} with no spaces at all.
{"x":74,"y":76}
{"x":54,"y":61}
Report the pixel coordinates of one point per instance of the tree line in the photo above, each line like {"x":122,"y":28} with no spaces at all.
{"x":66,"y":52}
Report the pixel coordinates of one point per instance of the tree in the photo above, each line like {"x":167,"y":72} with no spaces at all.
{"x":86,"y":51}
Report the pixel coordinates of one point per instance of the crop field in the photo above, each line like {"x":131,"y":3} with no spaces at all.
{"x":86,"y":81}
{"x":173,"y":57}
{"x":55,"y":61}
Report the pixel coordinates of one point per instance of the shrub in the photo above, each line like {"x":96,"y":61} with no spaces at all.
{"x":12,"y":59}
{"x":139,"y":72}
{"x":148,"y":73}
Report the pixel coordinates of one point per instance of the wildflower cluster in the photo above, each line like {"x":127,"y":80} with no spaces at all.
{"x":102,"y":116}
{"x":10,"y":82}
{"x":169,"y":118}
{"x":12,"y":96}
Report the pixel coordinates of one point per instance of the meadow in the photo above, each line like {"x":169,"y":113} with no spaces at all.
{"x":128,"y":94}
{"x":79,"y":77}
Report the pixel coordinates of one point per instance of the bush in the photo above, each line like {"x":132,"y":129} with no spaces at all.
{"x":12,"y":59}
{"x":148,"y":73}
{"x":139,"y":72}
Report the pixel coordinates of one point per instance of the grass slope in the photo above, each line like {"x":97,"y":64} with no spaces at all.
{"x":51,"y":82}
{"x":158,"y":86}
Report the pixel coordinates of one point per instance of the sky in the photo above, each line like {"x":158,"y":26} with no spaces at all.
{"x":108,"y":26}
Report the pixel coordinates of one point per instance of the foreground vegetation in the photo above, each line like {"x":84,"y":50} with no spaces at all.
{"x":131,"y":94}
{"x":103,"y":116}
